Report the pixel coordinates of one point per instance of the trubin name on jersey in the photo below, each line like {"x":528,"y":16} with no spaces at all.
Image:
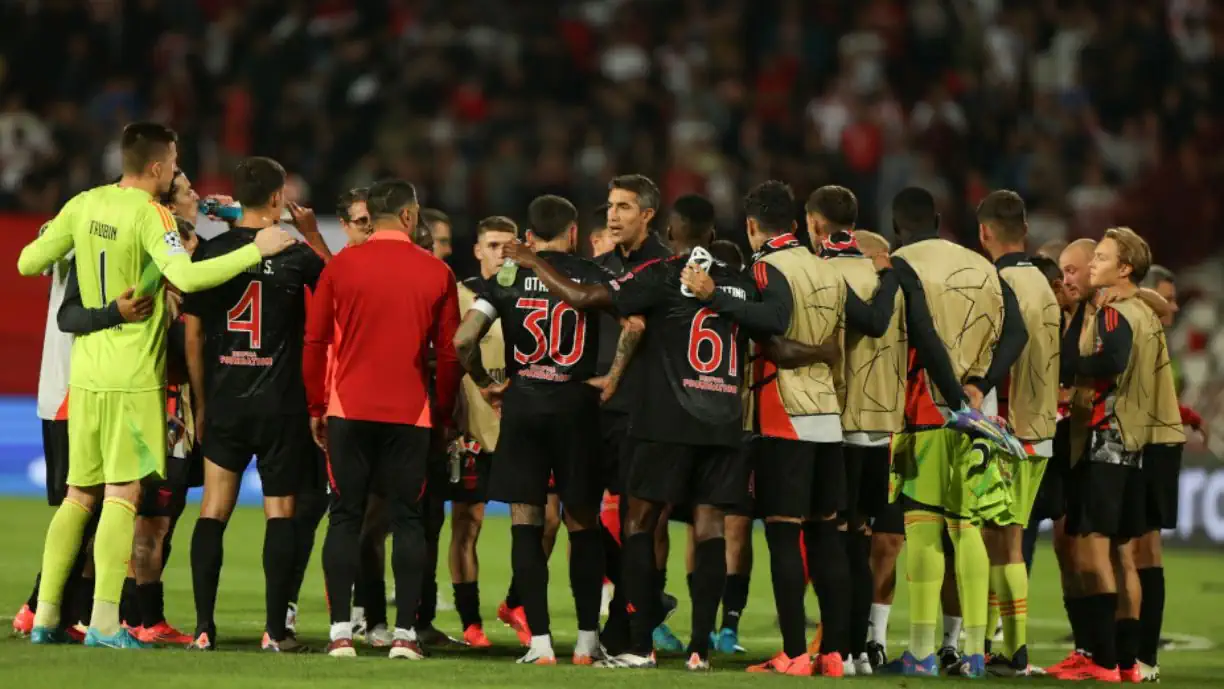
{"x":244,"y":359}
{"x":101,"y":229}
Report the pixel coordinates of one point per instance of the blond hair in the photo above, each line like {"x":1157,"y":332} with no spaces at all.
{"x":869,"y":240}
{"x":1133,"y":250}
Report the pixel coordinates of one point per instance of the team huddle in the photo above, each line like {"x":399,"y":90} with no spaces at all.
{"x":854,"y":396}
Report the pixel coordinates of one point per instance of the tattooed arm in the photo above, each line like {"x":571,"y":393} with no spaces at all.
{"x":632,"y":330}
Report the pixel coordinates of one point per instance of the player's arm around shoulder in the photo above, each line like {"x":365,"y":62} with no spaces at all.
{"x":54,"y":241}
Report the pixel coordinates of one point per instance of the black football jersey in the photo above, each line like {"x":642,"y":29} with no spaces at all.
{"x":254,"y":328}
{"x":694,"y":359}
{"x":547,"y":341}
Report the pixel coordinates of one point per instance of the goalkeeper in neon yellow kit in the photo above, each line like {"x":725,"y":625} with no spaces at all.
{"x":116,"y":402}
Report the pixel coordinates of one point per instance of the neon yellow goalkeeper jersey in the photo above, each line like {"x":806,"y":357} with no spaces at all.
{"x":124,"y":238}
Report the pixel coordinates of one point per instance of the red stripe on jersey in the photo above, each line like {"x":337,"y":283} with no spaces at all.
{"x":771,"y":412}
{"x":761,"y":275}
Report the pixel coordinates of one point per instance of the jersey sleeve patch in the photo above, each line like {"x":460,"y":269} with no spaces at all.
{"x":174,"y":243}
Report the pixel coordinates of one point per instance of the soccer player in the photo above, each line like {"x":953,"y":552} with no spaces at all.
{"x":633,"y":204}
{"x":874,"y":399}
{"x":798,"y":466}
{"x":1028,"y":399}
{"x":478,"y":420}
{"x":956,"y":324}
{"x":245,"y":360}
{"x":438,"y":225}
{"x":122,"y":237}
{"x":549,"y":414}
{"x":686,"y":427}
{"x":1161,"y":472}
{"x":383,"y":305}
{"x":1116,"y":361}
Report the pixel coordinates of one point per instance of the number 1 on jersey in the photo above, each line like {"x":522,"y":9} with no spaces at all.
{"x":246,"y":315}
{"x":102,"y":275}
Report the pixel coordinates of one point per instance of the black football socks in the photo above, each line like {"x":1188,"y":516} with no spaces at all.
{"x":207,"y":552}
{"x":858,"y":552}
{"x":152,"y":604}
{"x":786,"y":570}
{"x":129,"y":605}
{"x":830,"y":572}
{"x":709,"y":578}
{"x":278,"y":551}
{"x":531,"y":574}
{"x":642,"y":601}
{"x":467,"y":603}
{"x":586,"y":569}
{"x":1151,"y":613}
{"x":735,"y":599}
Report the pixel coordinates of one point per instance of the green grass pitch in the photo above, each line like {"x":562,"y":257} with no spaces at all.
{"x":1195,"y":619}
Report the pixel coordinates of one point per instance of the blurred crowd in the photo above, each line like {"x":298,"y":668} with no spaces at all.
{"x":1097,"y":111}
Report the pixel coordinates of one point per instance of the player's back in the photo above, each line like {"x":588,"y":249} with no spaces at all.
{"x":111,"y":257}
{"x":964,"y":298}
{"x":547,"y":341}
{"x":253,"y":326}
{"x":694,"y":358}
{"x":1030,"y":398}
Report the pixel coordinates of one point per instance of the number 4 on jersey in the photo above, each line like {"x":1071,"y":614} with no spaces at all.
{"x":699,"y":334}
{"x":246,"y":315}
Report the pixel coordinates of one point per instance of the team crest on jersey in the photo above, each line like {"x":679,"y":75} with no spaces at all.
{"x":175,"y":242}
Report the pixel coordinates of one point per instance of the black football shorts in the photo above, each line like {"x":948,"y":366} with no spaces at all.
{"x":676,"y":474}
{"x":1162,"y":479}
{"x":1051,"y":502}
{"x":166,"y":497}
{"x":555,"y":440}
{"x":867,"y":469}
{"x":55,"y":457}
{"x":1107,"y":500}
{"x":284,"y":451}
{"x":798,"y":479}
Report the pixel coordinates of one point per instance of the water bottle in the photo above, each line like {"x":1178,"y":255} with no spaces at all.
{"x":227,"y":212}
{"x":701,"y":259}
{"x":454,"y":461}
{"x":230,"y":213}
{"x":507,"y":273}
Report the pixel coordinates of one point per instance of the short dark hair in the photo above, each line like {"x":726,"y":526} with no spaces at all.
{"x":166,"y":198}
{"x":1004,"y":211}
{"x":347,"y":199}
{"x":1048,"y":267}
{"x":728,"y":252}
{"x":256,"y":179}
{"x":837,"y":204}
{"x":389,"y":197}
{"x":186,"y":228}
{"x":647,"y":191}
{"x":143,"y":143}
{"x":913,"y":210}
{"x":550,"y":216}
{"x":433,"y":216}
{"x":697,"y":213}
{"x":772,"y":204}
{"x":496,"y":223}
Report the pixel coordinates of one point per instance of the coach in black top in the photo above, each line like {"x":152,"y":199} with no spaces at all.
{"x":550,"y":416}
{"x":686,"y":428}
{"x":244,"y":358}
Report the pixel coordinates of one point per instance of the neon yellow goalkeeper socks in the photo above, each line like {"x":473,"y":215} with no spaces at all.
{"x":1010,"y":583}
{"x":973,"y":580}
{"x":112,"y":551}
{"x":925,"y":568}
{"x":59,"y":552}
